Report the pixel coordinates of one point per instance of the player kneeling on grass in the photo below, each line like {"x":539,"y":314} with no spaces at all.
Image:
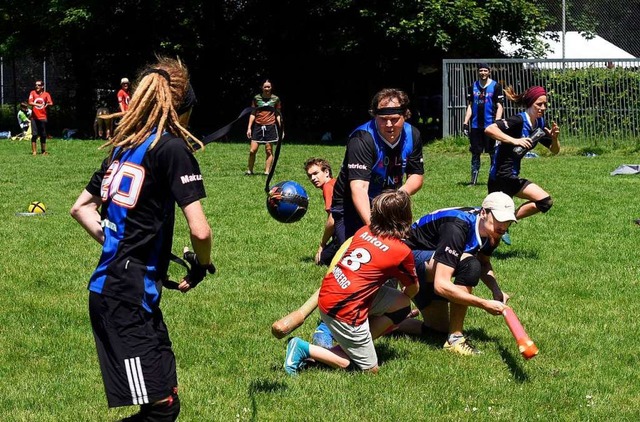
{"x":353,"y":302}
{"x":456,"y":243}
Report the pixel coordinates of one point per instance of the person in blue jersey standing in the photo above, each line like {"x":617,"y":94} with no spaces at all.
{"x":128,"y":206}
{"x":457,"y":244}
{"x":514,"y":139}
{"x":484,"y":106}
{"x":383,"y":153}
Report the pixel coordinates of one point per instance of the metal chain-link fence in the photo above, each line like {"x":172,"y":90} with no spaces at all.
{"x":617,"y":21}
{"x":596,"y":102}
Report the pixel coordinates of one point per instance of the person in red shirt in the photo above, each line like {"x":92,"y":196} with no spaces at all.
{"x":321,"y":176}
{"x":124,"y":95}
{"x":353,"y":302}
{"x":39,"y":100}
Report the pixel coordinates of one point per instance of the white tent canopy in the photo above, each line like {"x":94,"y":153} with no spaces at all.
{"x":575,"y":47}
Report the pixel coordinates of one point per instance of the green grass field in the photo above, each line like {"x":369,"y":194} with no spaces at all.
{"x":572,"y":274}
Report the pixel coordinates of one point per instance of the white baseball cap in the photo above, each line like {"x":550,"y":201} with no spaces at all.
{"x":501,"y":206}
{"x":124,"y":81}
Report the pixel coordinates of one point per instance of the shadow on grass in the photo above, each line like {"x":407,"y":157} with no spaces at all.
{"x":478,"y":185}
{"x":307,"y":260}
{"x":514,"y":364}
{"x":432,"y":339}
{"x":515,"y":253}
{"x":262,"y":386}
{"x":266,"y":386}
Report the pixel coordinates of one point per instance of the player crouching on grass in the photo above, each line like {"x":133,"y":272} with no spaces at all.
{"x":353,"y":302}
{"x":457,"y":243}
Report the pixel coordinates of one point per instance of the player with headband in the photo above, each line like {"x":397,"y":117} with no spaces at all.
{"x":383,"y":153}
{"x":514,"y":136}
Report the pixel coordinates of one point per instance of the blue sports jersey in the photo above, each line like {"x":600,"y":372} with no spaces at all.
{"x":384,"y":175}
{"x":484,"y":103}
{"x":139,"y":188}
{"x":368,"y":157}
{"x":506,"y":163}
{"x":449,"y":232}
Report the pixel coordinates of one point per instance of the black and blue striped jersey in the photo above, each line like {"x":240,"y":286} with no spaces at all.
{"x":449,"y":232}
{"x":484,"y":103}
{"x":139,"y":188}
{"x":369,"y":157}
{"x":506,"y":163}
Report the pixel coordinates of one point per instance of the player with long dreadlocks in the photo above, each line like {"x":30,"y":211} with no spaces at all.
{"x":128,"y":207}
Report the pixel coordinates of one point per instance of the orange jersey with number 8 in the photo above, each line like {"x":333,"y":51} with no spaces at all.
{"x":349,"y":288}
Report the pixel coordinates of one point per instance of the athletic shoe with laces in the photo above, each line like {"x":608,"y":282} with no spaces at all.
{"x":248,"y":173}
{"x":295,"y":356}
{"x":322,"y":336}
{"x":461,"y":347}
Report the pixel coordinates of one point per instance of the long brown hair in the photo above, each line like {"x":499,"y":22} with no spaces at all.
{"x":391,"y":214}
{"x":159,"y":92}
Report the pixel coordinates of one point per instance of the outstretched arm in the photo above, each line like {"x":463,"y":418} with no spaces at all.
{"x":494,"y":132}
{"x":200,"y":231}
{"x":326,"y":235}
{"x":360,"y":198}
{"x":413,"y":183}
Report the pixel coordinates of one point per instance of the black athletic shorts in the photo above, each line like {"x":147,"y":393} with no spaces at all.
{"x":427,"y":294}
{"x":134,"y":350}
{"x":509,"y":185}
{"x":264,"y":134}
{"x":479,"y":142}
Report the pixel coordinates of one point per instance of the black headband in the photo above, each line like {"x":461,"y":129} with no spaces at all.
{"x":160,"y":72}
{"x":188,"y":101}
{"x":387,"y":111}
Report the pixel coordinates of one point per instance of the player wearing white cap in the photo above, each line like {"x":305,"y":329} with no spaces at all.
{"x":456,"y":244}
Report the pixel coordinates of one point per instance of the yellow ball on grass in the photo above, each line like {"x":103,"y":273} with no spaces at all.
{"x":37,"y":207}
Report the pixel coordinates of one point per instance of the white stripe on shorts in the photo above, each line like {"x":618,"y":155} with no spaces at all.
{"x":136,"y":381}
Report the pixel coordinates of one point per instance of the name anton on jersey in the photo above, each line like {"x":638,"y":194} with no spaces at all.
{"x":374,"y":241}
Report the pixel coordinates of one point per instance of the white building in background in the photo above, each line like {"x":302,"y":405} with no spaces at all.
{"x":577,"y":47}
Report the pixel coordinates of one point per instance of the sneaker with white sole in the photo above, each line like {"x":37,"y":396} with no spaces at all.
{"x":461,"y":347}
{"x":296,"y":354}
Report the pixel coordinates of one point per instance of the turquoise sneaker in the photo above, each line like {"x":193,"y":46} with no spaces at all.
{"x":297,"y":352}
